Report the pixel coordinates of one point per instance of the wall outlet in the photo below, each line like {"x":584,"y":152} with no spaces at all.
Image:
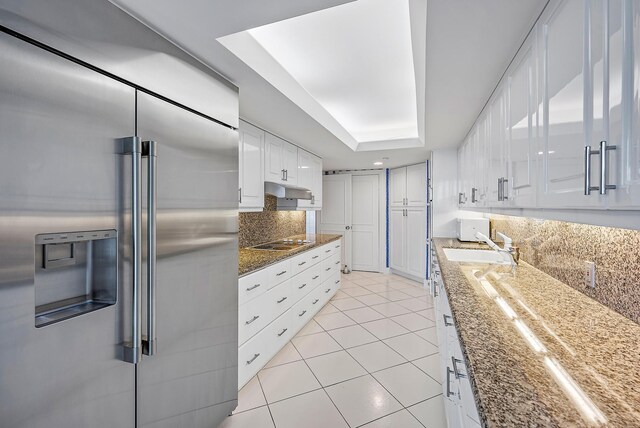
{"x":589,"y":274}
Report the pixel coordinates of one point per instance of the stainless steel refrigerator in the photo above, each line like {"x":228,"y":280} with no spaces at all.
{"x":118,"y":252}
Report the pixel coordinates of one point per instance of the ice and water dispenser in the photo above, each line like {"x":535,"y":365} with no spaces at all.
{"x":75,"y":273}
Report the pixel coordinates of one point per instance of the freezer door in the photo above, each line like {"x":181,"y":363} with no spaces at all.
{"x":60,"y":173}
{"x":191,"y":380}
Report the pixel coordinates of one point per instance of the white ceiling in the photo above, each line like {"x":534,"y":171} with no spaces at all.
{"x":468,"y":45}
{"x":343,"y":62}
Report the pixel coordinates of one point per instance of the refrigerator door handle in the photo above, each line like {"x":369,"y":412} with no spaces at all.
{"x":131,"y":350}
{"x":149,"y":150}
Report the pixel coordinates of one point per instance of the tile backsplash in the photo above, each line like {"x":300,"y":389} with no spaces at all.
{"x":270,"y":224}
{"x":560,"y":249}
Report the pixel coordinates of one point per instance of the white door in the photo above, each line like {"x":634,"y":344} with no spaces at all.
{"x":416,"y":220}
{"x":397,"y":186}
{"x":290,"y":163}
{"x":335,"y":216}
{"x":365,"y":226}
{"x":522,"y":117}
{"x":417,"y":185}
{"x":251,"y":167}
{"x":397,"y":239}
{"x":273,"y":158}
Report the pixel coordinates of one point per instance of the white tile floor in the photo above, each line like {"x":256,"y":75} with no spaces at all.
{"x":369,"y":359}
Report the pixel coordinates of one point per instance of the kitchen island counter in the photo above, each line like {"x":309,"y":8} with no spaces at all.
{"x":251,"y":259}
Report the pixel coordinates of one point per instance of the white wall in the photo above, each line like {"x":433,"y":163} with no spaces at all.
{"x":444,"y":179}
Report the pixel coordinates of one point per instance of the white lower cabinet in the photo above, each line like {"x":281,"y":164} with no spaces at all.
{"x":407,"y":236}
{"x":459,"y":401}
{"x":277,"y":301}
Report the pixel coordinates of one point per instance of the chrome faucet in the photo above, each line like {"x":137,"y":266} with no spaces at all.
{"x":508,"y":250}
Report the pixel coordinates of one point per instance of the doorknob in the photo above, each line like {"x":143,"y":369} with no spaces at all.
{"x":348,"y":227}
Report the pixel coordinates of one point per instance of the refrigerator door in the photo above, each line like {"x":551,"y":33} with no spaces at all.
{"x":60,"y":173}
{"x":191,"y":380}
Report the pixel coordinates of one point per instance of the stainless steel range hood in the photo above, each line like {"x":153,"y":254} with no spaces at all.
{"x":281,"y":191}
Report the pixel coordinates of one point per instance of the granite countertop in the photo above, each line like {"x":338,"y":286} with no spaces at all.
{"x":580,"y":365}
{"x":250,"y":260}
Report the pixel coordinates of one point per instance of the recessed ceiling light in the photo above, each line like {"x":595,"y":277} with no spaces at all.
{"x":377,"y":163}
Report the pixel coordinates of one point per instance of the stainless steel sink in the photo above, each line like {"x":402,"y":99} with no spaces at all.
{"x":287,"y":245}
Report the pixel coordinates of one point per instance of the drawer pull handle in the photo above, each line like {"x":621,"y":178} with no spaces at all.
{"x":337,"y":246}
{"x":255,"y":317}
{"x":449,"y":392}
{"x":315,"y":301}
{"x":454,"y":362}
{"x":446,"y":323}
{"x":316,"y":277}
{"x":283,"y":299}
{"x":337,"y":263}
{"x":302,"y":313}
{"x":253,"y":287}
{"x":253,"y":359}
{"x":327,"y":251}
{"x":315,"y":257}
{"x":337,"y":281}
{"x":327,"y":290}
{"x":302,"y":263}
{"x":282,"y":332}
{"x":281,"y":273}
{"x":328,"y":269}
{"x":302,"y":286}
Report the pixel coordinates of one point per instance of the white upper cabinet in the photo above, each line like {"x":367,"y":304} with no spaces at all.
{"x":497,"y":148}
{"x":567,"y":107}
{"x":290,"y":164}
{"x":397,"y":186}
{"x":573,"y":87}
{"x":281,"y":161}
{"x":624,"y":104}
{"x":417,"y":185}
{"x":310,"y":177}
{"x":316,"y":190}
{"x":274,"y":159}
{"x":520,"y":187}
{"x":408,"y":185}
{"x":251,"y":167}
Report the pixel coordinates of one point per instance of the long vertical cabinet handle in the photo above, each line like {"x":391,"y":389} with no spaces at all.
{"x":131,"y":350}
{"x":604,"y":164}
{"x":587,"y":171}
{"x":149,"y":149}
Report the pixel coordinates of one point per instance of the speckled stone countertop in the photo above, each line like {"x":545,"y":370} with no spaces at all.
{"x":250,"y":259}
{"x":559,"y":359}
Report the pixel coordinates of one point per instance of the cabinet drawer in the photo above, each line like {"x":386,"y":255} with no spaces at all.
{"x":315,"y":255}
{"x":330,"y":266}
{"x":279,"y":332}
{"x":304,"y":282}
{"x":252,"y":286}
{"x":300,"y":263}
{"x":280,"y":298}
{"x":253,"y":316}
{"x":279,"y":272}
{"x":301,"y":311}
{"x":330,"y":286}
{"x":252,"y":356}
{"x":327,"y":250}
